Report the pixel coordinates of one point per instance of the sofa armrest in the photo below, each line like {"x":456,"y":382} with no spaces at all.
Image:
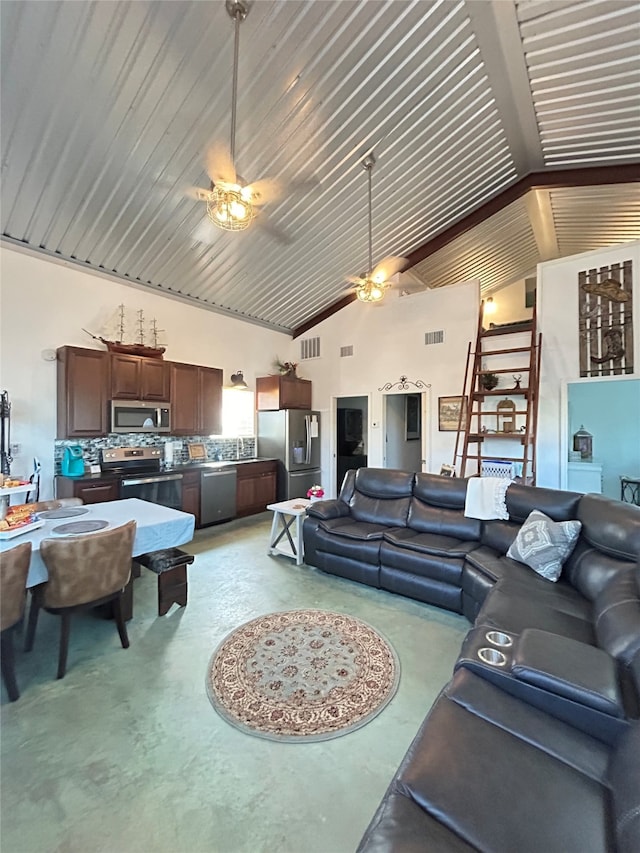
{"x":328,"y":509}
{"x":573,"y":670}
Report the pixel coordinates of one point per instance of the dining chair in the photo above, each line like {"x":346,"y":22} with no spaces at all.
{"x":13,"y":581}
{"x":58,"y":503}
{"x":84,"y":572}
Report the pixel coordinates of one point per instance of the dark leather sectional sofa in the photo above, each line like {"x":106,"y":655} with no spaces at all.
{"x":534,"y":744}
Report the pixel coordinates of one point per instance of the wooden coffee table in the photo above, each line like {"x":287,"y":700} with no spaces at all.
{"x":288,"y":514}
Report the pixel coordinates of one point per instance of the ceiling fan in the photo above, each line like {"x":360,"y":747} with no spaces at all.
{"x":371,"y":286}
{"x":232,"y":204}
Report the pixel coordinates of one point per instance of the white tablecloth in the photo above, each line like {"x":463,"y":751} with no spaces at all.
{"x":157,"y":527}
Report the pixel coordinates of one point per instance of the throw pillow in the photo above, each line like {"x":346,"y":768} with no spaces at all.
{"x":544,"y":544}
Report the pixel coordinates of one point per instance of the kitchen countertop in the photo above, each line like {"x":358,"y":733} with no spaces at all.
{"x":177,"y":468}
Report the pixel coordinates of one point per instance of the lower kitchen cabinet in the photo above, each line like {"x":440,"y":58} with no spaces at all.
{"x":191,"y":494}
{"x":256,"y":487}
{"x":91,"y":491}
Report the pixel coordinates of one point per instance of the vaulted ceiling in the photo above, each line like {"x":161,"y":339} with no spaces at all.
{"x":505,"y":133}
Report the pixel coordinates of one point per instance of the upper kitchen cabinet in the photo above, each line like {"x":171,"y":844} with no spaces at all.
{"x":83,"y":392}
{"x":282,"y":392}
{"x":196,"y":398}
{"x":134,"y":377}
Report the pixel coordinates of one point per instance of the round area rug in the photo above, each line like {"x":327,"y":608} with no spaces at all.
{"x":302,"y":675}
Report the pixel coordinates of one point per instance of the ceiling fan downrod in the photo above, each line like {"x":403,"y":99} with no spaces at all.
{"x":238,"y":11}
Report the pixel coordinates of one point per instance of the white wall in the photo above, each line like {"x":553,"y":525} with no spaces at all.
{"x":509,"y":304}
{"x":388,"y":342}
{"x":45,"y":305}
{"x":557,"y":303}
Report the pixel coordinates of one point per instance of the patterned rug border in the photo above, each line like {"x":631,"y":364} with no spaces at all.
{"x":237,"y":724}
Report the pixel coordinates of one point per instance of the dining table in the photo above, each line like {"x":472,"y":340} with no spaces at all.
{"x":157,"y":527}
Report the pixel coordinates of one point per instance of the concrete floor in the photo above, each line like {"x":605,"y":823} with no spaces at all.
{"x":127,"y":754}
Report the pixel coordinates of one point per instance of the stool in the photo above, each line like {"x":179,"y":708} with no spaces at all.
{"x":170,"y":564}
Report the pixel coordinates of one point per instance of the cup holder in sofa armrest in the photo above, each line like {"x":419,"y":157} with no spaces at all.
{"x":499,"y":638}
{"x":494,"y":657}
{"x":570,"y":669}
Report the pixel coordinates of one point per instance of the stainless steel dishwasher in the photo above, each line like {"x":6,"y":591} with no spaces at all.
{"x":218,"y":495}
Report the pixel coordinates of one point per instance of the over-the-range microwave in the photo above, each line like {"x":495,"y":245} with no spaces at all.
{"x":140,"y":416}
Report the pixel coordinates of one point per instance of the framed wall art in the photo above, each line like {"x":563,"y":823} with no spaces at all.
{"x":449,"y":413}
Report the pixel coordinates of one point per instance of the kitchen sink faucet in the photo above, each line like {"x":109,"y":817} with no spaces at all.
{"x":239,"y":446}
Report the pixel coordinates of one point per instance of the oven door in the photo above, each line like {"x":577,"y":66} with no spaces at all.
{"x":164,"y":489}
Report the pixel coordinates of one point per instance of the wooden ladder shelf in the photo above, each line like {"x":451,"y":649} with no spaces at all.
{"x":504,"y":417}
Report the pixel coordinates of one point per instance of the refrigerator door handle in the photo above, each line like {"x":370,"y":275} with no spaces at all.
{"x":307,"y":427}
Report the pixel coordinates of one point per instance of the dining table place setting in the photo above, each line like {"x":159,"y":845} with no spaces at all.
{"x":157,"y":527}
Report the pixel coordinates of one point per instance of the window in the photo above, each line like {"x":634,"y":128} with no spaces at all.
{"x":238,"y":413}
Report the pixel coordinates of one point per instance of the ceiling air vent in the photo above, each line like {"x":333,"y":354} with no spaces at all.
{"x":434,"y":337}
{"x":345,"y":352}
{"x":309,"y":348}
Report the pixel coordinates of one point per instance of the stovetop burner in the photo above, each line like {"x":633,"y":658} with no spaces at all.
{"x":130,"y":460}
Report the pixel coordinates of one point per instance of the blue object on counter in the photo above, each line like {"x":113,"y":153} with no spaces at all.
{"x":72,"y":462}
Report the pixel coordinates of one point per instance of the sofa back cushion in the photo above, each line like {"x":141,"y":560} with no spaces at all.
{"x":382,"y":496}
{"x":590,"y":570}
{"x":437,"y":506}
{"x":557,"y":504}
{"x":616,"y":614}
{"x":499,"y":535}
{"x":610,"y":526}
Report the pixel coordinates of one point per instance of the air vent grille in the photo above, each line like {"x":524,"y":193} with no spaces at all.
{"x":309,"y":348}
{"x":345,"y":352}
{"x":436,"y":337}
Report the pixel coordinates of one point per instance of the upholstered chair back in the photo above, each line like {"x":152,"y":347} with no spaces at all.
{"x":382,"y":496}
{"x":88,"y":567}
{"x":13,"y":581}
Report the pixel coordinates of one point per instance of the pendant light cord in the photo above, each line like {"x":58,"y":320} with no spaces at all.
{"x":369,"y":168}
{"x":234,"y":86}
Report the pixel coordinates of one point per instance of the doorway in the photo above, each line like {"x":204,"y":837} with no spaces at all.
{"x":404,"y":431}
{"x":352,"y":418}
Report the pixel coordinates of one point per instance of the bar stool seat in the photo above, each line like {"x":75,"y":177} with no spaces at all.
{"x":170,"y":564}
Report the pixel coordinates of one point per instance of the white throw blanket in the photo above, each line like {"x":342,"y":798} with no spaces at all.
{"x":486,"y":497}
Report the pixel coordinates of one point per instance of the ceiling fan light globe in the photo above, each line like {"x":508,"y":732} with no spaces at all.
{"x":228,"y":209}
{"x":369,"y":291}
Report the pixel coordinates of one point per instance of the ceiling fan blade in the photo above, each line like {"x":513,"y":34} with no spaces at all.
{"x":196,"y":193}
{"x":273,"y":189}
{"x":220,"y":166}
{"x":355,"y":279}
{"x":264,"y":223}
{"x":388,"y":267}
{"x":266,"y":190}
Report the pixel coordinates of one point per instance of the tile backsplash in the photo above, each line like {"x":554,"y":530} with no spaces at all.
{"x":222,"y":448}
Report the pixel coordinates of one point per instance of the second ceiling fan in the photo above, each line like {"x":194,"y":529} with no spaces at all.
{"x":371,"y":286}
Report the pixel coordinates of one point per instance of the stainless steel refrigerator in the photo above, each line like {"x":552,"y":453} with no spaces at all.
{"x":293,"y":437}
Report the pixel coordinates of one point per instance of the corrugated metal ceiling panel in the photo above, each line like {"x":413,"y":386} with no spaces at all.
{"x":584,"y":66}
{"x":109,"y":109}
{"x":498,"y":252}
{"x":588,"y":218}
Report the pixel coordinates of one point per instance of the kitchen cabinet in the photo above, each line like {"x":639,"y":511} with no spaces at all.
{"x":83,"y":392}
{"x":282,"y":392}
{"x":256,"y":487}
{"x":196,"y":397}
{"x":91,"y":491}
{"x":191,"y":493}
{"x":134,"y":377}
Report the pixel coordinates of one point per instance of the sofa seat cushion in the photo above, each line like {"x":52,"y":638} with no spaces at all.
{"x":421,"y":563}
{"x":494,"y":566}
{"x":428,"y":543}
{"x":351,"y":548}
{"x":352,"y":529}
{"x":511,"y":609}
{"x":400,"y":825}
{"x":497,"y":773}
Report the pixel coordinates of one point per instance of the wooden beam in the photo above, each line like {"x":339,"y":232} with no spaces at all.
{"x":549,"y":179}
{"x":582,"y":177}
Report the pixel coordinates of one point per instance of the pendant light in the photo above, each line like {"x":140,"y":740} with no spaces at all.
{"x":372,"y":286}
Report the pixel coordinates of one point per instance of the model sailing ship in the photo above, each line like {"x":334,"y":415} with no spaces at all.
{"x":138,"y":348}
